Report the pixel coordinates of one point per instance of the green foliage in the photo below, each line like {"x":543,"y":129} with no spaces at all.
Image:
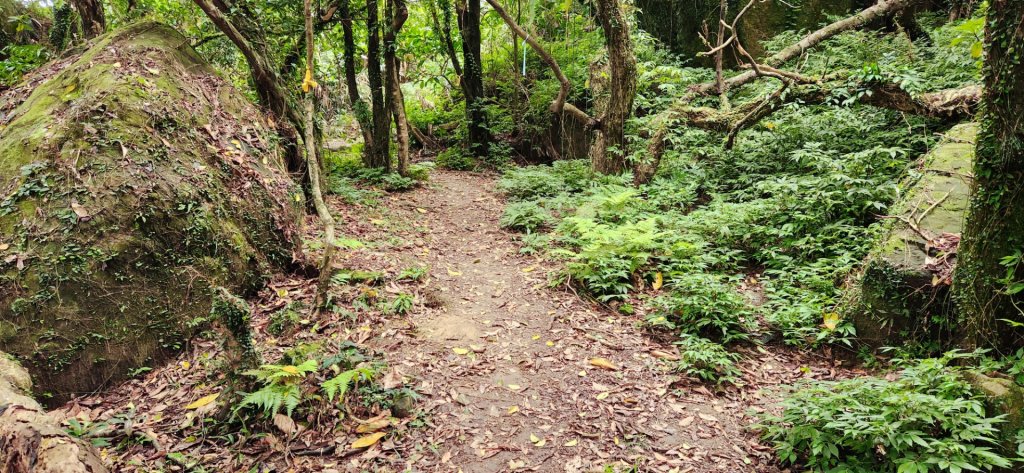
{"x":927,"y":420}
{"x":413,"y":273}
{"x":20,"y":59}
{"x":402,"y":304}
{"x":525,"y":217}
{"x":282,"y":387}
{"x":706,"y":360}
{"x":339,"y":385}
{"x":701,"y":304}
{"x":455,"y":158}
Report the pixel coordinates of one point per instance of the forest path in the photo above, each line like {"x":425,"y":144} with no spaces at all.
{"x":504,"y":363}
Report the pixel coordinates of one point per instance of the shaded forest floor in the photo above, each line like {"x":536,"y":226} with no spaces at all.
{"x":504,"y":366}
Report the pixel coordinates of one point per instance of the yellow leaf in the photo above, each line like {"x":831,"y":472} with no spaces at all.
{"x":460,"y":351}
{"x":571,"y":443}
{"x":582,"y":373}
{"x":452,"y":272}
{"x":514,"y":387}
{"x":290,"y":369}
{"x":550,"y":343}
{"x":422,"y":211}
{"x":368,"y":440}
{"x":186,"y":365}
{"x":536,"y":337}
{"x":373,"y":426}
{"x":602,"y":395}
{"x":513,"y":410}
{"x":534,"y":438}
{"x":202,"y":401}
{"x":603,"y":363}
{"x":659,"y":280}
{"x":282,"y":293}
{"x":831,"y":320}
{"x":542,"y":443}
{"x":530,"y":269}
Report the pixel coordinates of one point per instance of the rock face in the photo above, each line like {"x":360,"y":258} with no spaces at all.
{"x":903,"y":293}
{"x":31,"y":441}
{"x":133,"y":182}
{"x":1006,"y":398}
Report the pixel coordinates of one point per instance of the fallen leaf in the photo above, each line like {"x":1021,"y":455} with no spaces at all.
{"x":460,"y":351}
{"x":368,"y":440}
{"x":202,"y":401}
{"x":422,"y":211}
{"x":602,"y":395}
{"x":571,"y":443}
{"x":513,"y":410}
{"x":603,"y":363}
{"x":285,"y":424}
{"x":373,"y":426}
{"x":659,"y":280}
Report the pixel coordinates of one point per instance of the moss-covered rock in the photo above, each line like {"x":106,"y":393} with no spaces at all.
{"x":132,"y":183}
{"x":1006,"y":398}
{"x":903,"y":293}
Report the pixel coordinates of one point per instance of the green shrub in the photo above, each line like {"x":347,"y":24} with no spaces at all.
{"x":545,"y":181}
{"x":701,"y":304}
{"x":20,"y":59}
{"x":706,"y":360}
{"x":456,"y":159}
{"x":525,"y":217}
{"x":927,"y":420}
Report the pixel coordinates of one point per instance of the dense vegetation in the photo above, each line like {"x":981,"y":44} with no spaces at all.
{"x":726,"y":203}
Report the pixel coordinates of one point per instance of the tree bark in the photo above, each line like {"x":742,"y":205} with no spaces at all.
{"x":94,"y":21}
{"x":359,"y":107}
{"x":398,"y":13}
{"x":994,"y":228}
{"x":313,"y":168}
{"x":473,"y":78}
{"x":443,"y":30}
{"x":381,"y":149}
{"x":608,"y":154}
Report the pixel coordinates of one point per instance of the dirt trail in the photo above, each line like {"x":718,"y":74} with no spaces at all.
{"x":505,"y":369}
{"x":502,"y":364}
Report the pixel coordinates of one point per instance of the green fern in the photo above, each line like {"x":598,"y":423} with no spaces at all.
{"x":281,"y":387}
{"x":339,"y":385}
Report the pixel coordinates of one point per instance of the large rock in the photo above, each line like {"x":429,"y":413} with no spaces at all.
{"x":132,"y":183}
{"x":30,"y":440}
{"x":903,"y":293}
{"x":1004,"y":398}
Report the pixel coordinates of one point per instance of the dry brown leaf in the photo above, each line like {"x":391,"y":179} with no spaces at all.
{"x":285,"y":424}
{"x":373,"y":426}
{"x":603,"y":363}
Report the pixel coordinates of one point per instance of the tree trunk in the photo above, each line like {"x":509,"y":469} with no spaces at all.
{"x":608,"y":155}
{"x":359,"y":107}
{"x":94,"y":22}
{"x":398,"y":13}
{"x":994,"y":228}
{"x":473,"y":78}
{"x":381,"y":149}
{"x":313,"y":168}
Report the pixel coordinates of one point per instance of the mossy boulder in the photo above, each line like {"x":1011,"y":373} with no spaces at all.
{"x":902,"y":295}
{"x":1006,"y":398}
{"x":134,"y":182}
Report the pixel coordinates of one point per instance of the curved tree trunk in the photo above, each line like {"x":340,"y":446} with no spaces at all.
{"x":994,"y":229}
{"x":268,"y":84}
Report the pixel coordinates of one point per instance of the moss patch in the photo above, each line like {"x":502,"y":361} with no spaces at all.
{"x":132,"y":183}
{"x":899,"y":298}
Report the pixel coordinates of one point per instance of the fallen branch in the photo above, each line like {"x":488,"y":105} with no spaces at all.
{"x":883,"y":9}
{"x":558,"y":105}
